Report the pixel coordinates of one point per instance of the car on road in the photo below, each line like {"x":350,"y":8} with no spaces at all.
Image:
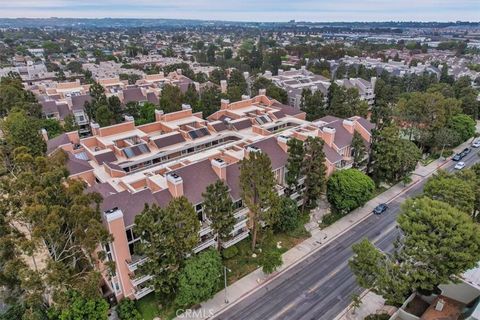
{"x":381,"y":208}
{"x":466,"y":151}
{"x":457,"y":157}
{"x":460,"y":165}
{"x":476,"y":144}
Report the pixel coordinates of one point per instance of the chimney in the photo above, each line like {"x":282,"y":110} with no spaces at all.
{"x":282,"y":142}
{"x":349,"y":125}
{"x":328,"y":135}
{"x":223,"y":86}
{"x":186,"y":106}
{"x":179,"y":71}
{"x":439,"y":305}
{"x":95,"y":128}
{"x":175,"y":184}
{"x":44,"y":134}
{"x":280,"y":72}
{"x":220,"y":168}
{"x":245,"y":97}
{"x":262,"y":92}
{"x":224,"y":103}
{"x":246,"y":75}
{"x":158,"y":114}
{"x":268,"y":74}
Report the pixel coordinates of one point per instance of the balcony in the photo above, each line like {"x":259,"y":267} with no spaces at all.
{"x":240,"y":222}
{"x":237,"y":238}
{"x":140,"y":280}
{"x":142,"y":292}
{"x":136,"y":261}
{"x":210,"y":242}
{"x":280,"y":189}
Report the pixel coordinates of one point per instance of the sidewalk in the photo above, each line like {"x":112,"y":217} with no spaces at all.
{"x":257,"y":279}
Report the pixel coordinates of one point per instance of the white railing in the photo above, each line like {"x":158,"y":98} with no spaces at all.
{"x":236,"y":239}
{"x":132,"y":266}
{"x":205,"y":244}
{"x":141,"y":280}
{"x":142,"y":292}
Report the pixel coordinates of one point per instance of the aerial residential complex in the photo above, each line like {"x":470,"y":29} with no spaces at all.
{"x":180,"y":154}
{"x":295,"y":81}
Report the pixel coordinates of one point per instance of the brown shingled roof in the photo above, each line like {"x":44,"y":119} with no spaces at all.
{"x":277,"y":156}
{"x":242,"y":124}
{"x":196,"y":177}
{"x":133,"y":95}
{"x":54,"y":143}
{"x":165,"y":141}
{"x":106,"y":157}
{"x":76,"y":166}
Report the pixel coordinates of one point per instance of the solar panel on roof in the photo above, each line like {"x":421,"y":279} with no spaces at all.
{"x":193,"y":134}
{"x":143,"y":148}
{"x":128,"y":152}
{"x":205,"y":131}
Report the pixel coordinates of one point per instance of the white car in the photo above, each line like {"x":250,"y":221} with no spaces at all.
{"x":460,"y":165}
{"x":476,"y":144}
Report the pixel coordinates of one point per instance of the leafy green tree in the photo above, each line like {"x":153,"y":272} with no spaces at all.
{"x":359,"y":151}
{"x":13,"y":95}
{"x":171,"y":99}
{"x":218,"y":206}
{"x":349,"y":189}
{"x":168,"y":236}
{"x":209,"y":101}
{"x":79,"y":307}
{"x":392,"y":157}
{"x":314,"y":170}
{"x":439,"y":243}
{"x":449,"y":188}
{"x":273,"y":91}
{"x":20,"y":130}
{"x":258,"y":190}
{"x":237,"y":85}
{"x":211,"y":53}
{"x":217,"y":75}
{"x":463,"y":125}
{"x":127,"y":310}
{"x":270,"y":260}
{"x":191,"y":96}
{"x":199,"y":279}
{"x":55,"y":213}
{"x":287,"y":216}
{"x":103,"y":116}
{"x":294,"y":165}
{"x":227,"y":53}
{"x":52,"y":126}
{"x":313,"y":104}
{"x":345,"y":103}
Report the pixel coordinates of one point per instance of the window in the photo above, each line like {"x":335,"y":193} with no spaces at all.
{"x":108,"y":251}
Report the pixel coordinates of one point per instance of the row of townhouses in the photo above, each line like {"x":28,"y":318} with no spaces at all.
{"x":180,"y":154}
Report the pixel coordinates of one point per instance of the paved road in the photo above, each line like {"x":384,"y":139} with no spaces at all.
{"x":320,"y":287}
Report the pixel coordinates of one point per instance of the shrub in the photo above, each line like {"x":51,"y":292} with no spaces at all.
{"x":270,"y":260}
{"x":230,"y":252}
{"x":127,"y":310}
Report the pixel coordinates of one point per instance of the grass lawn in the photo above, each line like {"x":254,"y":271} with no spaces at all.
{"x":150,"y":307}
{"x":243,"y":263}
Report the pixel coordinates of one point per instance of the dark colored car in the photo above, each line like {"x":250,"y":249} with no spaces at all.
{"x":466,"y":151}
{"x":381,"y":208}
{"x":457,"y":157}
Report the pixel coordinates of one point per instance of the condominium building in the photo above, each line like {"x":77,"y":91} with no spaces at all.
{"x":295,"y":81}
{"x":180,"y":154}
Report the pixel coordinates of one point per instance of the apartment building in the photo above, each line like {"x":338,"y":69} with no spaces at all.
{"x":295,"y":81}
{"x":180,"y":154}
{"x":60,"y":99}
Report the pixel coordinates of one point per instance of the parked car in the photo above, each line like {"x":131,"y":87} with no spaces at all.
{"x":457,"y":157}
{"x":381,"y":208}
{"x":460,"y":165}
{"x":476,"y":144}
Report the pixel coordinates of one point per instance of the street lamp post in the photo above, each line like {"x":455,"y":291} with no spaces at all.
{"x":225,"y":278}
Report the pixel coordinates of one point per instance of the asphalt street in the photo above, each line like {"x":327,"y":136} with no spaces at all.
{"x":321,"y":286}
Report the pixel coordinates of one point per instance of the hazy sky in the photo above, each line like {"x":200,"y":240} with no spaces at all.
{"x":249,"y":10}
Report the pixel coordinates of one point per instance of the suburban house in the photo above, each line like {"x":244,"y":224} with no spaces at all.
{"x":180,"y":154}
